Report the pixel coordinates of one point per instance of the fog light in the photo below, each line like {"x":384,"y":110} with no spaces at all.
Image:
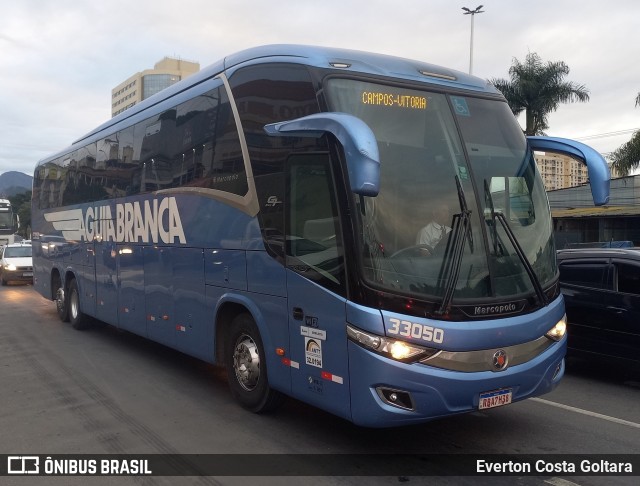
{"x":397,"y":398}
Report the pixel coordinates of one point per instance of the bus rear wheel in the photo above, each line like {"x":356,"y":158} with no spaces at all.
{"x":246,"y":367}
{"x":61,"y":303}
{"x":77,"y":318}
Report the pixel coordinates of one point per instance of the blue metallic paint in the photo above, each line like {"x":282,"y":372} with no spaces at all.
{"x":490,"y":333}
{"x":437,"y":393}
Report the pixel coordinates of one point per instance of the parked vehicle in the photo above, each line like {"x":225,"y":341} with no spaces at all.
{"x":16,"y":262}
{"x":601,"y":288}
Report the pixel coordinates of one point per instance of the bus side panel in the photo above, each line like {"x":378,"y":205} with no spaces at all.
{"x":270,"y":315}
{"x":106,"y":282}
{"x":193,"y":322}
{"x":131,"y":308}
{"x":87,"y":284}
{"x":265,"y":275}
{"x":158,"y":289}
{"x":317,"y":321}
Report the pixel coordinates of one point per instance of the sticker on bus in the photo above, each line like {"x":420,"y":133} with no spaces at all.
{"x":313,"y":352}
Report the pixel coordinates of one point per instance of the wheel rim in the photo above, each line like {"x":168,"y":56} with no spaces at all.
{"x":246,"y":362}
{"x":60,"y":299}
{"x":74,"y":305}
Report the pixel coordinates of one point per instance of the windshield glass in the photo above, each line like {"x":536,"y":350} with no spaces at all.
{"x":17,"y":251}
{"x":5,"y":219}
{"x":407,"y":233}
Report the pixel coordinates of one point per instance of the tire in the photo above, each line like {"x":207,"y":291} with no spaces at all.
{"x":77,"y":318}
{"x":246,"y":367}
{"x":62,"y":306}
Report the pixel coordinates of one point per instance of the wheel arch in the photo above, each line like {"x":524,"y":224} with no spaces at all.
{"x":229,"y":306}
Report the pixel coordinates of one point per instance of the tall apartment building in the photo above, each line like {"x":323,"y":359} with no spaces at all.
{"x":149,"y":82}
{"x":560,"y":171}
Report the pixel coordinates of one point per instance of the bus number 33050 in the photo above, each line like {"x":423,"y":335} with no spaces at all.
{"x":416,"y":331}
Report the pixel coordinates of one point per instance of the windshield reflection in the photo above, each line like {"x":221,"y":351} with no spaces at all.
{"x":407,"y":229}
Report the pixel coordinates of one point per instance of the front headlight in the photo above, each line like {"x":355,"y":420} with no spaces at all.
{"x":11,"y":267}
{"x":391,"y":348}
{"x":558,"y":331}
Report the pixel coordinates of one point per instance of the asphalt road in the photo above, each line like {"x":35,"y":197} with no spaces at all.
{"x":103,"y":391}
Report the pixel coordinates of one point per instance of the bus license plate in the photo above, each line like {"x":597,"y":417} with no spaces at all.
{"x":495,"y":398}
{"x":27,"y":274}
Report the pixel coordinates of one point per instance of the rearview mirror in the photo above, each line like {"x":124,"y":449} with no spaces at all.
{"x":599,"y":174}
{"x":355,"y":136}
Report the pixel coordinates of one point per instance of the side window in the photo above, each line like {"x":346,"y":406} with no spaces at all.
{"x":156,"y":152}
{"x":80,"y":176}
{"x":48,"y":184}
{"x":208,"y":146}
{"x":313,"y":241}
{"x":628,"y":278}
{"x":584,"y":274}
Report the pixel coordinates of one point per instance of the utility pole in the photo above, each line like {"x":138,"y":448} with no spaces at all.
{"x":473,"y":13}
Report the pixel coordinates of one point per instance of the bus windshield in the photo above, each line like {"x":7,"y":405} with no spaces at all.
{"x":6,"y":220}
{"x":458,"y":183}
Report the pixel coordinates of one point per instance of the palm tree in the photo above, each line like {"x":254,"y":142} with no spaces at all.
{"x":537,"y":89}
{"x":627,"y":157}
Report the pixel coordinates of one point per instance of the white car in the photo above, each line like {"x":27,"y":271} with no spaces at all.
{"x":16,"y":263}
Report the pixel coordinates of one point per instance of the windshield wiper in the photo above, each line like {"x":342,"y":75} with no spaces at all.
{"x":450,"y":270}
{"x":498,"y":215}
{"x":494,"y":229}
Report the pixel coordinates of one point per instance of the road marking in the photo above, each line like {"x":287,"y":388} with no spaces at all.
{"x":587,"y":412}
{"x":560,"y":482}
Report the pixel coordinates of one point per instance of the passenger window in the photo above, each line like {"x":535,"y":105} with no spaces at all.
{"x":584,"y":274}
{"x":628,"y":278}
{"x":313,"y":243}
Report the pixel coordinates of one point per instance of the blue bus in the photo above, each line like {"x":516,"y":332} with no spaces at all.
{"x":365,"y":233}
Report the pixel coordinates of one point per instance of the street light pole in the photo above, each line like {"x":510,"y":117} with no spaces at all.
{"x":473,"y":13}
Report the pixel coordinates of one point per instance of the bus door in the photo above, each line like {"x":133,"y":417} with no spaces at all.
{"x":315,"y":284}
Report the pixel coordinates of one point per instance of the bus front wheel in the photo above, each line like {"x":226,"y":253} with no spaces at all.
{"x":246,"y":366}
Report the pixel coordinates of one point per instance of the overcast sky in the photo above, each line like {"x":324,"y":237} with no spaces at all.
{"x":59,"y":59}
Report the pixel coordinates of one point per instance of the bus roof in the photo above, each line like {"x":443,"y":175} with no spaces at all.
{"x":325,"y":57}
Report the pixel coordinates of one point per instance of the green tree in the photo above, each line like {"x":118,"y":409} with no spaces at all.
{"x":627,"y":157}
{"x":538,"y":88}
{"x":21,"y":204}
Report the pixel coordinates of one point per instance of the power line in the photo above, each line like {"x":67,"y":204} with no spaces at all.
{"x":608,"y":134}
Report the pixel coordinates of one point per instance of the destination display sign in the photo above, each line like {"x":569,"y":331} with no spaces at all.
{"x":394,"y":100}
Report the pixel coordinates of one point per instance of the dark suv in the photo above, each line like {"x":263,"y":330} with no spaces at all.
{"x":601,"y":288}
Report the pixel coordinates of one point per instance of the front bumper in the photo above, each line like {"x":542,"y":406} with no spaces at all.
{"x":436,"y":392}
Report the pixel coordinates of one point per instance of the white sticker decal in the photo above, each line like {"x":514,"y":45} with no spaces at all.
{"x":313,"y":352}
{"x":313,"y":333}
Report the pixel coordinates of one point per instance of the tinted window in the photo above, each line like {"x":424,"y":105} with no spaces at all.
{"x":584,"y":274}
{"x":193,"y":144}
{"x":628,"y":278}
{"x":48,"y":184}
{"x":268,"y":94}
{"x":313,"y":242}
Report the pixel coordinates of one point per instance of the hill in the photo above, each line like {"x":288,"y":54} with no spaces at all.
{"x":13,"y":182}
